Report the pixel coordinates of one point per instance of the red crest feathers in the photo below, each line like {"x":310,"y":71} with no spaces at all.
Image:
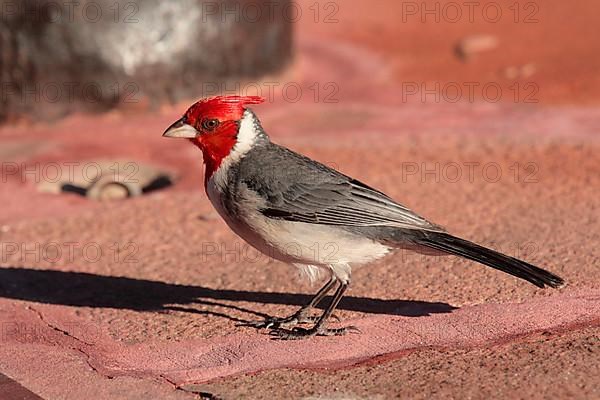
{"x":221,"y":107}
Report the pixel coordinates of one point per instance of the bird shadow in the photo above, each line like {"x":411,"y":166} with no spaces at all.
{"x":81,"y":289}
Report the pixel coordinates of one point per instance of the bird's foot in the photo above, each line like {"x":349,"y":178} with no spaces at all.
{"x":302,"y":333}
{"x":280,"y":323}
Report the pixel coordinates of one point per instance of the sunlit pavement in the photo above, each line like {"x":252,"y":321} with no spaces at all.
{"x":143,"y":297}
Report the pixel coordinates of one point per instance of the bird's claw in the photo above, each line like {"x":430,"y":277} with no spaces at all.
{"x":302,"y":333}
{"x":268,"y":323}
{"x":274,"y":323}
{"x":287,"y":322}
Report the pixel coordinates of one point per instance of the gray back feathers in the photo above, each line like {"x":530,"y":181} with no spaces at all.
{"x":296,"y":188}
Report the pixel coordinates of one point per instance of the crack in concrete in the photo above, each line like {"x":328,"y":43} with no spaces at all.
{"x":170,"y":382}
{"x":89,"y":364}
{"x":87,"y":356}
{"x":56,"y":328}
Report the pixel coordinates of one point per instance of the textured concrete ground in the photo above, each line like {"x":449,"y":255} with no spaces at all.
{"x":143,"y":297}
{"x":541,"y":367}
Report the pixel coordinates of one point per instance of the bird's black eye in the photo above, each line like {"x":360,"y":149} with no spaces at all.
{"x":210,"y":124}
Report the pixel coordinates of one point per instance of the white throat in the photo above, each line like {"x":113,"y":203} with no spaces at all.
{"x":249,"y":132}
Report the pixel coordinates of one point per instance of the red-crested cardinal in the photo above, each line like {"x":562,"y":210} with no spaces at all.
{"x":302,"y":212}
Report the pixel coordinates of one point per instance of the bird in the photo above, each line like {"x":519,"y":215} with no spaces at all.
{"x":307,"y":214}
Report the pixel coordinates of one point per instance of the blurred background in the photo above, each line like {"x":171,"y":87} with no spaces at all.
{"x":93,"y":79}
{"x":482,"y":116}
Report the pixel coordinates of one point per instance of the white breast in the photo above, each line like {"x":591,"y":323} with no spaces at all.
{"x":298,"y":243}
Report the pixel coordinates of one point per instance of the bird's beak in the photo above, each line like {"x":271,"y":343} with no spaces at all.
{"x":179,"y":129}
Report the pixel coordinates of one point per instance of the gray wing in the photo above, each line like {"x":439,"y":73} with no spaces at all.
{"x":296,"y":188}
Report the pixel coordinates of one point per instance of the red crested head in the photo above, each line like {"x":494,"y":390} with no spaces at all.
{"x":213,"y":125}
{"x":222,"y":108}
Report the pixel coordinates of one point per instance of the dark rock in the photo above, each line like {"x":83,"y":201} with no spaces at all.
{"x":92,"y":55}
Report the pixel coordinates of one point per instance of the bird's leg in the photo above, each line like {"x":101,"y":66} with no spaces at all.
{"x":320,"y":326}
{"x":300,"y":316}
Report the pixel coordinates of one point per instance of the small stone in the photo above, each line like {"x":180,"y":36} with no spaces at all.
{"x":471,"y":45}
{"x":511,"y":73}
{"x":113,"y":191}
{"x":527,"y":70}
{"x":519,"y":72}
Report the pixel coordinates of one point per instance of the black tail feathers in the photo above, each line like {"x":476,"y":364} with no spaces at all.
{"x":463,"y":248}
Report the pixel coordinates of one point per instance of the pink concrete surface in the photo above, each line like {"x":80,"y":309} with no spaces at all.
{"x":167,"y":318}
{"x":544,"y":366}
{"x":190,"y":360}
